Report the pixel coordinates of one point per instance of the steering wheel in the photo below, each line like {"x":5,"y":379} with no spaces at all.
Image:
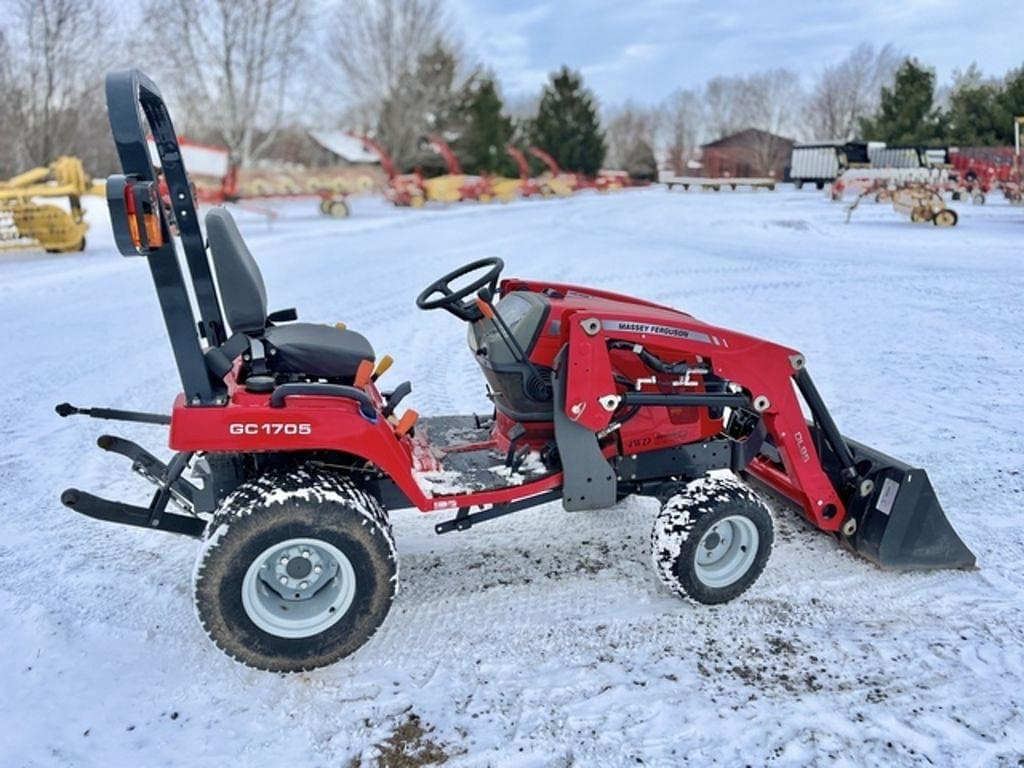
{"x":440,"y":295}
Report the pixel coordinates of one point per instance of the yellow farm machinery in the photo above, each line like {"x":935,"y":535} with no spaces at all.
{"x":27,"y":223}
{"x":922,"y":203}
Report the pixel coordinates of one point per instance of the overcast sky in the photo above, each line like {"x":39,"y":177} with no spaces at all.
{"x":644,"y":49}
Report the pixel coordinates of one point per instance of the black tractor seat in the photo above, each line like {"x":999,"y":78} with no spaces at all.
{"x":321,"y":351}
{"x":306,"y":349}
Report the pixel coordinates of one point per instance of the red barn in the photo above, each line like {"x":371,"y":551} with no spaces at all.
{"x":752,"y":152}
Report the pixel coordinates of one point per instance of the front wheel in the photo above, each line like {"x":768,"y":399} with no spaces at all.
{"x":298,"y":570}
{"x":711,"y":540}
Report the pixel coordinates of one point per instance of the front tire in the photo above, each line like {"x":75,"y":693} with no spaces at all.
{"x":712,"y":540}
{"x":298,"y":570}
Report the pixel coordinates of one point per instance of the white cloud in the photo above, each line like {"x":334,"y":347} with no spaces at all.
{"x":644,"y":49}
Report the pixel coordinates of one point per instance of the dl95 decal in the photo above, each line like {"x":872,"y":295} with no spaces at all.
{"x":270,"y":429}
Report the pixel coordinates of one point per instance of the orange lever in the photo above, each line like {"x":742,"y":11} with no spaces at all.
{"x":485,"y":309}
{"x":363,"y":374}
{"x":406,"y":423}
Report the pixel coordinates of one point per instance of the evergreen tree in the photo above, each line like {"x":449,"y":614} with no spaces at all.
{"x":1011,"y":100}
{"x":976,"y":116}
{"x":907,"y":114}
{"x":487,"y":132}
{"x":567,"y":125}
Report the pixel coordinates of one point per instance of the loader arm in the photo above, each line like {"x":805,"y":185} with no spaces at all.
{"x":880,"y":507}
{"x":765,"y":372}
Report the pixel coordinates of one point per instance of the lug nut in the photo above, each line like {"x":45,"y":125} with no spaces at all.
{"x":304,"y":585}
{"x":283,"y":579}
{"x":284,"y":560}
{"x":317,"y":569}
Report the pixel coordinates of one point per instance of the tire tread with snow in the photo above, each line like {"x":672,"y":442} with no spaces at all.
{"x":682,"y":523}
{"x":281,"y":506}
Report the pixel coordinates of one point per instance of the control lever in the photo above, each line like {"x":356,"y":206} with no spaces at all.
{"x":395,"y":397}
{"x":487,"y":308}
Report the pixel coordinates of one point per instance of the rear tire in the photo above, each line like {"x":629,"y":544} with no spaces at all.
{"x":711,"y":540}
{"x":336,"y":209}
{"x":266,"y":614}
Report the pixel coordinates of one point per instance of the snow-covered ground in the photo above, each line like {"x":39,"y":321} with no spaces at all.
{"x":542,"y":638}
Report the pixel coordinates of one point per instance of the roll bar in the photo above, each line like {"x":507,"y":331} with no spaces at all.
{"x":136,"y":110}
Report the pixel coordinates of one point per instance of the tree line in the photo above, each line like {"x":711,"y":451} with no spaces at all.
{"x":252,"y":75}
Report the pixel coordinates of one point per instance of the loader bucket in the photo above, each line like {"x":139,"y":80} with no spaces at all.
{"x":901,"y":524}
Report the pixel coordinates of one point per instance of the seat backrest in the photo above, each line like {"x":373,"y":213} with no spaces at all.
{"x":242,"y":291}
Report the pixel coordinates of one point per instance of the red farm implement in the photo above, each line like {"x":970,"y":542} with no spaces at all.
{"x":217,"y":180}
{"x":605,"y":181}
{"x":530,"y":186}
{"x":404,"y":189}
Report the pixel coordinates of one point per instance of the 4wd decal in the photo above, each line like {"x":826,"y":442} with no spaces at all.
{"x":661,"y":330}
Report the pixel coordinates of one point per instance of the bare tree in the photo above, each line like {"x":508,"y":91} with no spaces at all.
{"x":400,"y":68}
{"x":628,"y":126}
{"x":242,"y":63}
{"x":375,"y":43}
{"x":50,"y":100}
{"x":769,"y":102}
{"x":10,"y":136}
{"x":725,"y":101}
{"x":848,"y":91}
{"x":679,"y":125}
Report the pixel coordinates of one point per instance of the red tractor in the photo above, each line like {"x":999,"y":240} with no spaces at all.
{"x":297,"y":453}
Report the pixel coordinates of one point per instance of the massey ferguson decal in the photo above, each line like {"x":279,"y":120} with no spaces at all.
{"x":662,"y":330}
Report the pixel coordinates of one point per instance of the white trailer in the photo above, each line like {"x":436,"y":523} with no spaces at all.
{"x":821,"y":163}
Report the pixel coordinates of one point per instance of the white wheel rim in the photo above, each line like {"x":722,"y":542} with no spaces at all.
{"x":298,"y":588}
{"x":726,"y":551}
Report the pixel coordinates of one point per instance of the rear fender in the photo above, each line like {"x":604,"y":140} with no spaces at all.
{"x":307,"y":423}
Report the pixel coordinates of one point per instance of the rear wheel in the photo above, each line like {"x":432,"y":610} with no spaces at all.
{"x":945,"y":218}
{"x":298,"y":570}
{"x":711,"y":540}
{"x":337,"y":208}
